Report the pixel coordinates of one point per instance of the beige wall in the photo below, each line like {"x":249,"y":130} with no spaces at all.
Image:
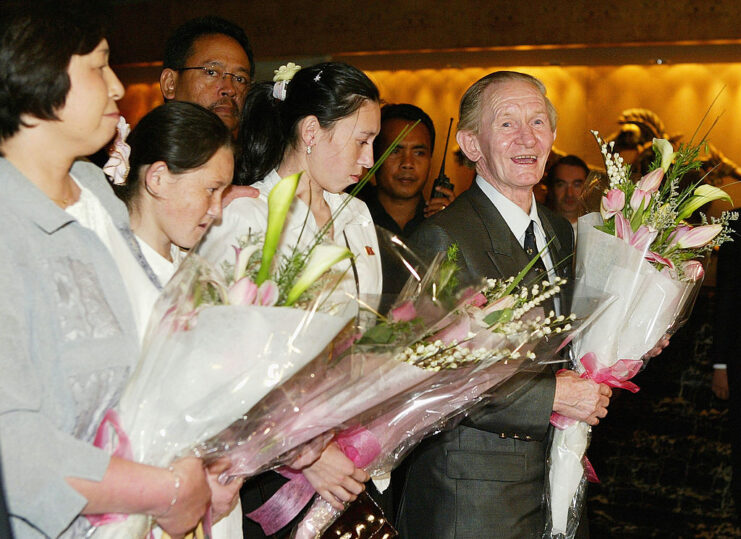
{"x":586,"y":97}
{"x":591,"y":97}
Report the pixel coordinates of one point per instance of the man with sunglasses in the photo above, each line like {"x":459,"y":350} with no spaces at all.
{"x":209,"y":61}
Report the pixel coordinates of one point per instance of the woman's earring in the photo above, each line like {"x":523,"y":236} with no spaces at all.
{"x":308,"y":150}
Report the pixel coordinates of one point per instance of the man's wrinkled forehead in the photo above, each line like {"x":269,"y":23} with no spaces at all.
{"x":504,"y":96}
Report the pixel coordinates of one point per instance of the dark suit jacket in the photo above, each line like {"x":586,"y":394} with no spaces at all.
{"x":485,"y":478}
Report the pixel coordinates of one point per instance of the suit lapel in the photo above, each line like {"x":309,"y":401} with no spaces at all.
{"x":504,"y":252}
{"x":561,"y":258}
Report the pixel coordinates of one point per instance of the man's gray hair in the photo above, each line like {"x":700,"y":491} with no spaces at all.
{"x":470,"y":109}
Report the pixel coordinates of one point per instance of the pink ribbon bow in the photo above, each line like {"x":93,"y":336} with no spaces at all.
{"x":359,"y":445}
{"x":616,"y":375}
{"x":122,"y":449}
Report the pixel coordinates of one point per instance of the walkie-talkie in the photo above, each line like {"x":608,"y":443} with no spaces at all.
{"x":442,"y":180}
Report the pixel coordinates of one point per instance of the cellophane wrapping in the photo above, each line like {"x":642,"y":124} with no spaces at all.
{"x":645,"y":305}
{"x":204,"y":365}
{"x":441,"y":402}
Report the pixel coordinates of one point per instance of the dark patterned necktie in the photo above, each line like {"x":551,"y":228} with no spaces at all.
{"x":531,"y":249}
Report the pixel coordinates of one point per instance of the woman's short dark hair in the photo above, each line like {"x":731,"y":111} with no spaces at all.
{"x":179,"y":46}
{"x":330,"y":91}
{"x":183,"y":135}
{"x":36,"y":45}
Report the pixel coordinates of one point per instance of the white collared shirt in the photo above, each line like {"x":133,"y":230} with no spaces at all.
{"x":355,"y":223}
{"x":518,"y":221}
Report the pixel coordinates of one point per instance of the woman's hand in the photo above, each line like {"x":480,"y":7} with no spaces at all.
{"x":656,"y":350}
{"x":310,"y":451}
{"x":224,"y":496}
{"x":191,"y":498}
{"x":335,"y":477}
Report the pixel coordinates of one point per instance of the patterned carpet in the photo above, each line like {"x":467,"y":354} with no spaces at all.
{"x":663,"y":453}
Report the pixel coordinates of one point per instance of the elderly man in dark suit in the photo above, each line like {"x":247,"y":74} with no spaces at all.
{"x":485,"y":478}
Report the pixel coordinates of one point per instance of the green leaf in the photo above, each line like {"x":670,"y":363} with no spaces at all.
{"x":520,"y":276}
{"x":379,"y":334}
{"x":505,"y":315}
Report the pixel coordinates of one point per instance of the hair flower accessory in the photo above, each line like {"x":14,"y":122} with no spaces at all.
{"x":282,"y":77}
{"x":117,"y":166}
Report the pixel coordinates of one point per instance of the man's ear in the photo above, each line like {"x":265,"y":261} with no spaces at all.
{"x":154,"y":178}
{"x":168,"y":83}
{"x":469,"y":143}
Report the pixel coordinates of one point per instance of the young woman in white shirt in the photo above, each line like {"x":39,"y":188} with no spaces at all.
{"x":321,"y":123}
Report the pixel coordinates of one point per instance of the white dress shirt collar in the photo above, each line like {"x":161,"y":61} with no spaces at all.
{"x":518,"y":221}
{"x":513,"y":215}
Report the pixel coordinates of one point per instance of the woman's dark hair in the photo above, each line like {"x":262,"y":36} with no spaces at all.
{"x":36,"y":45}
{"x":330,"y":91}
{"x":183,"y":135}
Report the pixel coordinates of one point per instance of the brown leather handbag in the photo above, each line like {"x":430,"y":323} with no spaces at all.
{"x":363,"y":519}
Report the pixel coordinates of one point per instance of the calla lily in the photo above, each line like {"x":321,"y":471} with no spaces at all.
{"x":404,"y":312}
{"x":702,"y":195}
{"x":243,"y":292}
{"x":612,"y":203}
{"x":279,"y":202}
{"x":664,"y":148}
{"x":641,"y":239}
{"x":651,"y":181}
{"x":267,"y":294}
{"x":242,"y":259}
{"x":322,"y":258}
{"x":693,"y":270}
{"x":686,"y":237}
{"x":640,"y":199}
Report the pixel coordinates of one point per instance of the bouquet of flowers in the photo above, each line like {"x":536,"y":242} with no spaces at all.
{"x":365,"y":367}
{"x":490,"y":337}
{"x":644,"y":253}
{"x":217,"y":345}
{"x":221,"y":338}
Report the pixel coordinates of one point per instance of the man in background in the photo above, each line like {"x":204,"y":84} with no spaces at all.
{"x":209,"y":61}
{"x":396,"y":201}
{"x":566,"y":181}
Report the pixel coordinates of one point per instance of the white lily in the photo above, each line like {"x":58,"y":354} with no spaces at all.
{"x":322,"y":258}
{"x":702,"y":195}
{"x":664,"y":148}
{"x":243,"y":257}
{"x":279,"y":202}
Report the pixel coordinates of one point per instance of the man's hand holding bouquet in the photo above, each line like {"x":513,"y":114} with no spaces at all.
{"x":643,"y":252}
